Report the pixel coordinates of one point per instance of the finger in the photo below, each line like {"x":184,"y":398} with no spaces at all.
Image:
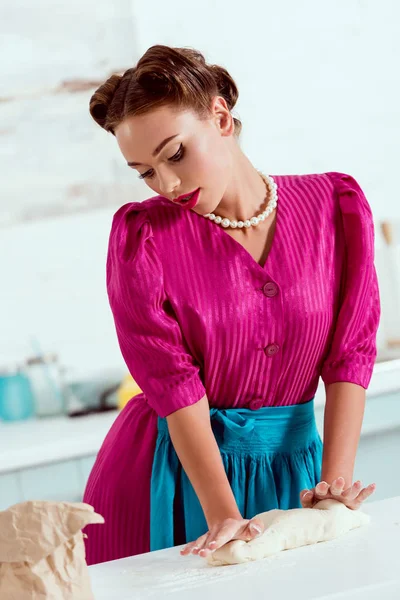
{"x":337,"y":486}
{"x":188,"y":548}
{"x":364,"y":494}
{"x":256,"y":527}
{"x":307,"y":498}
{"x":224,"y":535}
{"x":352,"y":492}
{"x":207,"y":550}
{"x":205,"y":543}
{"x":195,"y":546}
{"x":252,"y":530}
{"x":321,"y":490}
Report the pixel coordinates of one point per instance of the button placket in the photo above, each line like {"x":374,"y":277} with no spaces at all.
{"x":271,"y":319}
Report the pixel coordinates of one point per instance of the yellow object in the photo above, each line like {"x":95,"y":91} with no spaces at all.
{"x":127,"y":390}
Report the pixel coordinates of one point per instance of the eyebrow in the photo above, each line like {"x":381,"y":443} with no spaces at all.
{"x":156,"y":151}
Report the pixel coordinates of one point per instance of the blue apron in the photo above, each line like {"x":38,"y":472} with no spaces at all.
{"x":269,"y":456}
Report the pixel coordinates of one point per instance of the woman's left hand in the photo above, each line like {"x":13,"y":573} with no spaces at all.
{"x":352,"y":497}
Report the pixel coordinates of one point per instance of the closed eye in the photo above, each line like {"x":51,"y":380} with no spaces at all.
{"x":175,"y":158}
{"x":178,"y":155}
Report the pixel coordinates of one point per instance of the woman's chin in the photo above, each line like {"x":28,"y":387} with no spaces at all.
{"x":202,"y":208}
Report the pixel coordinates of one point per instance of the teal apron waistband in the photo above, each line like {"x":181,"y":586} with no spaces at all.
{"x":268,"y":429}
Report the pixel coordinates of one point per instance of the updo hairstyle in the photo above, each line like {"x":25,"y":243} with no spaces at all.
{"x":179,"y":77}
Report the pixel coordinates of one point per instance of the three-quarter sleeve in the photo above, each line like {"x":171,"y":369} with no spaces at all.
{"x":148,"y":332}
{"x":352,"y":353}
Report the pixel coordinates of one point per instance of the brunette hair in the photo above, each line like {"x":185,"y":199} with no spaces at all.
{"x":178,"y":77}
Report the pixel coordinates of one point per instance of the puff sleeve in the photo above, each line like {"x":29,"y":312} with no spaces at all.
{"x":148,"y":333}
{"x":352,"y":353}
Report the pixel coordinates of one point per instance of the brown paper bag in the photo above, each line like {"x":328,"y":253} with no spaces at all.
{"x":42,"y":552}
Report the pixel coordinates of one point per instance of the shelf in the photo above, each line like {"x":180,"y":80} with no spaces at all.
{"x":37,"y":442}
{"x":42,"y":441}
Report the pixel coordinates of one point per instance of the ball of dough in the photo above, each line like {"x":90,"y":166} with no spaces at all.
{"x":288,"y":529}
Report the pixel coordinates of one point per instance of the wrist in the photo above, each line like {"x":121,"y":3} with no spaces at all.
{"x":217,"y":516}
{"x":329,"y":475}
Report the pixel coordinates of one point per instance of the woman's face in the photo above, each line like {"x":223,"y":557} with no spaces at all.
{"x":177,"y":153}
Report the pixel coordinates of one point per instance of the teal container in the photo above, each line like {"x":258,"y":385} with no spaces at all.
{"x":16,"y":397}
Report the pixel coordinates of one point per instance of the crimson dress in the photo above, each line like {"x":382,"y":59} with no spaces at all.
{"x":196,"y":315}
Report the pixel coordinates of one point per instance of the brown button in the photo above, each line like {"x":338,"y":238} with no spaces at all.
{"x":271,"y":349}
{"x":256,"y":404}
{"x":270,"y":289}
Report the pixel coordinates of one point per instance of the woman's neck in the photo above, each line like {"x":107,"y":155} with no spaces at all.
{"x":245,"y":196}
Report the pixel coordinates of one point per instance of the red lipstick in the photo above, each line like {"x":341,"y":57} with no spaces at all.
{"x":188,"y":200}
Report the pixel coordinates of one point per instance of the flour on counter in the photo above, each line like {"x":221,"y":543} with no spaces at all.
{"x":177,"y":575}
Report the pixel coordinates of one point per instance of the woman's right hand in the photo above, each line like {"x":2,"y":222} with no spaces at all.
{"x":223,"y":532}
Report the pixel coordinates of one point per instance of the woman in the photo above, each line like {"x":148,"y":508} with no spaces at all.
{"x":232,"y":293}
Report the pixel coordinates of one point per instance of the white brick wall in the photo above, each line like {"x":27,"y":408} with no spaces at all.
{"x":53,"y":288}
{"x":62,"y":178}
{"x":318,"y":89}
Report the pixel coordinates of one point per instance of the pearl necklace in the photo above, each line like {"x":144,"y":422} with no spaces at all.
{"x":272,"y":191}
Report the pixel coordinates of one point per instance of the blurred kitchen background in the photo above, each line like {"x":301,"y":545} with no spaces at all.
{"x":319,"y":91}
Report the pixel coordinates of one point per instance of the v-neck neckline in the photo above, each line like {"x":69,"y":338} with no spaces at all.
{"x":240,"y":248}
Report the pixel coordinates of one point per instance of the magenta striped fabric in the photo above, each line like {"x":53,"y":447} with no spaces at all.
{"x":195,"y":314}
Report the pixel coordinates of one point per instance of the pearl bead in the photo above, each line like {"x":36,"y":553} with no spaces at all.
{"x":211,"y":217}
{"x":240,"y":224}
{"x":225,"y":223}
{"x":261,"y":217}
{"x":234,"y":224}
{"x":218,"y":220}
{"x":254,"y":220}
{"x":247,"y":223}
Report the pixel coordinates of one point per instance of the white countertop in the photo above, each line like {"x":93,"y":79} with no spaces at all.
{"x":35,"y":442}
{"x":362,"y":565}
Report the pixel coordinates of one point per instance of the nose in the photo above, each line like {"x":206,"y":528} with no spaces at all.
{"x":168,"y":183}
